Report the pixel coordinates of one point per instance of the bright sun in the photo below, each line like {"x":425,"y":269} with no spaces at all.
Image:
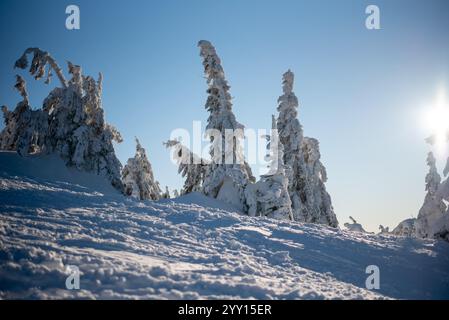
{"x":437,"y":122}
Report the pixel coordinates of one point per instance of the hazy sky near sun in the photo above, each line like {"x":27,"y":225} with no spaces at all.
{"x":362,"y":93}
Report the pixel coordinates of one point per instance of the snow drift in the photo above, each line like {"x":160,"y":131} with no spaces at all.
{"x":191,"y":247}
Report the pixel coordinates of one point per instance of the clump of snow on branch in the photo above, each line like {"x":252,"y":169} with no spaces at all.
{"x":137,"y":177}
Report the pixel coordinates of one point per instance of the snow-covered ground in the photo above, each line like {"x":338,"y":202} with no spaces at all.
{"x":191,"y":247}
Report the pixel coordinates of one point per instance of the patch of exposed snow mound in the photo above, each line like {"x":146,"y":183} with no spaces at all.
{"x":187,"y":248}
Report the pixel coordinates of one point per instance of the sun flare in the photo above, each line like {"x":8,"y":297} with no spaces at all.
{"x":437,"y":123}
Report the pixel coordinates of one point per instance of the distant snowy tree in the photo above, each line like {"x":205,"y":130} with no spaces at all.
{"x":176,"y":193}
{"x":316,"y":177}
{"x":166,"y":194}
{"x":269,"y":196}
{"x":137,"y":177}
{"x":190,"y":166}
{"x":228,"y":173}
{"x":354,"y":226}
{"x":306,"y":176}
{"x":405,"y":228}
{"x":384,"y":230}
{"x":71,"y":122}
{"x":432,"y":216}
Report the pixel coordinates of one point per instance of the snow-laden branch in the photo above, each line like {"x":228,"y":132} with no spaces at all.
{"x":38,"y":63}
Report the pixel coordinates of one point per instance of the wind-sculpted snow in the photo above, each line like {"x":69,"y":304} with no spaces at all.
{"x":191,"y":247}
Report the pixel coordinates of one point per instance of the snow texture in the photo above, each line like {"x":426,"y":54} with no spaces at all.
{"x":53,"y":217}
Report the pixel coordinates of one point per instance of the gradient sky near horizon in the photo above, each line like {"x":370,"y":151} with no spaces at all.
{"x":363,"y":93}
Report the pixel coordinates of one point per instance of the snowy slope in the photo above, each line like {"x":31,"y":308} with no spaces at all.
{"x":191,"y":247}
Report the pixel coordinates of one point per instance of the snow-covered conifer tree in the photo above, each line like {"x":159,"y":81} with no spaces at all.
{"x":25,"y":129}
{"x":306,"y":174}
{"x":190,"y":166}
{"x":269,"y":196}
{"x":71,"y":122}
{"x":228,"y":173}
{"x":137,"y":177}
{"x":166,"y":194}
{"x":432,"y":215}
{"x":316,"y":178}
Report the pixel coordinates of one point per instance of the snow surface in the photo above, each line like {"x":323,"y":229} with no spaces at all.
{"x":190,"y":247}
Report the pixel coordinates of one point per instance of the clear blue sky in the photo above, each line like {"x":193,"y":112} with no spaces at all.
{"x":361,"y":91}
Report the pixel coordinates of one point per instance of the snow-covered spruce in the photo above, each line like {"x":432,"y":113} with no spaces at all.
{"x":166,"y":194}
{"x":269,"y":196}
{"x":432,"y":221}
{"x":25,"y":129}
{"x":71,"y":122}
{"x":228,"y":173}
{"x":306,"y":177}
{"x":137,"y":177}
{"x":316,"y":177}
{"x":192,"y":167}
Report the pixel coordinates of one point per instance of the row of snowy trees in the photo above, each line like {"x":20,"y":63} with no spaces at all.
{"x":71,"y":123}
{"x":294,"y":187}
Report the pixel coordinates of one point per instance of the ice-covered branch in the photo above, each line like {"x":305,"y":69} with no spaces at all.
{"x":38,"y":63}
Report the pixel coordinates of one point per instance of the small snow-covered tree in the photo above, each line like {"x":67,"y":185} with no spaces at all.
{"x":192,"y":167}
{"x":71,"y":122}
{"x":166,"y":194}
{"x":137,"y":177}
{"x":269,"y":196}
{"x":228,"y":173}
{"x":316,"y":178}
{"x":384,"y":230}
{"x":25,"y":129}
{"x":431,"y":217}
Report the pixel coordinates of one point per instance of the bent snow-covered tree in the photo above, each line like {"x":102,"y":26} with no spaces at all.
{"x":306,"y":175}
{"x":137,"y":177}
{"x":71,"y":122}
{"x":228,"y":173}
{"x":192,"y":167}
{"x":269,"y":196}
